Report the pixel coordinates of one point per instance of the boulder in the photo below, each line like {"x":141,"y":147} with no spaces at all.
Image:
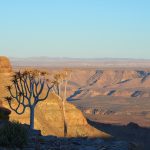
{"x":4,"y":113}
{"x":133,"y":125}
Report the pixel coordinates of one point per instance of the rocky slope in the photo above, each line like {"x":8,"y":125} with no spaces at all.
{"x":5,"y":72}
{"x":116,"y":89}
{"x":123,"y":93}
{"x":5,"y":66}
{"x":48,"y":115}
{"x":49,"y":119}
{"x":54,"y":143}
{"x":125,"y":83}
{"x":38,"y":142}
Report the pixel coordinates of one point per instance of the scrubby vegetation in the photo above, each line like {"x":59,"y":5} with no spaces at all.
{"x":3,"y":117}
{"x":4,"y":113}
{"x":13,"y":134}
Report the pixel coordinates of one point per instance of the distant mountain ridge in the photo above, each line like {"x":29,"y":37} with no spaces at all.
{"x":77,"y":58}
{"x":80,"y":62}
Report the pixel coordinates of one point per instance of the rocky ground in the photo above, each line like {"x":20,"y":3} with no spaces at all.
{"x":38,"y":142}
{"x":54,"y":143}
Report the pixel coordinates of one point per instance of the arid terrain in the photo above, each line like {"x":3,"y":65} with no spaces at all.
{"x":108,"y":94}
{"x":48,"y":115}
{"x":110,"y":97}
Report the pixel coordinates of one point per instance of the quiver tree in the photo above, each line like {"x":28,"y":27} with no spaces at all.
{"x":60,"y":88}
{"x":61,"y":80}
{"x":27,"y":90}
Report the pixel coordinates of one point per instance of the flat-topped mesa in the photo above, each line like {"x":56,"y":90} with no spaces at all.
{"x":5,"y":65}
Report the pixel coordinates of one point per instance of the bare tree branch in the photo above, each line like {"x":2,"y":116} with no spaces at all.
{"x":29,"y":86}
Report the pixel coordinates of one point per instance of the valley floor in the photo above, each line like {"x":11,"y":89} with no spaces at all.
{"x":124,"y":118}
{"x":116,"y":110}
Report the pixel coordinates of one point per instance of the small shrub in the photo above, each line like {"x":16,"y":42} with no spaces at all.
{"x":3,"y":116}
{"x":4,"y":113}
{"x":13,"y":134}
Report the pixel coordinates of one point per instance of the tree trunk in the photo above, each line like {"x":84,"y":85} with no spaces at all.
{"x":32,"y":117}
{"x":64,"y":115}
{"x":65,"y":91}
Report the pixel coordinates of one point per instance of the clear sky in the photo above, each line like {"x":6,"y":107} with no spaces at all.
{"x":75,"y":28}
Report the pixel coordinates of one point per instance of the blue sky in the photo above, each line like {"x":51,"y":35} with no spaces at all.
{"x":75,"y":28}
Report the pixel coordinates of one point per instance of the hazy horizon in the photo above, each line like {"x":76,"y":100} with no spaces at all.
{"x":82,"y":58}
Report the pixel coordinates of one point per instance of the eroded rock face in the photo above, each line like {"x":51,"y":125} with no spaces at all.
{"x":5,"y":66}
{"x":49,"y":119}
{"x":5,"y":71}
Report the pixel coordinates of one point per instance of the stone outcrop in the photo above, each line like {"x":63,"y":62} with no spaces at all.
{"x":5,"y":66}
{"x":49,"y":119}
{"x":49,"y":114}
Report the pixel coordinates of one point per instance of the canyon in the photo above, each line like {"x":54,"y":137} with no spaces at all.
{"x":118,"y":93}
{"x":114,"y":100}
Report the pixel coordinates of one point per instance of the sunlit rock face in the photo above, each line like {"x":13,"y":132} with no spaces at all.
{"x":50,"y":120}
{"x":5,"y":66}
{"x":76,"y":122}
{"x":5,"y":73}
